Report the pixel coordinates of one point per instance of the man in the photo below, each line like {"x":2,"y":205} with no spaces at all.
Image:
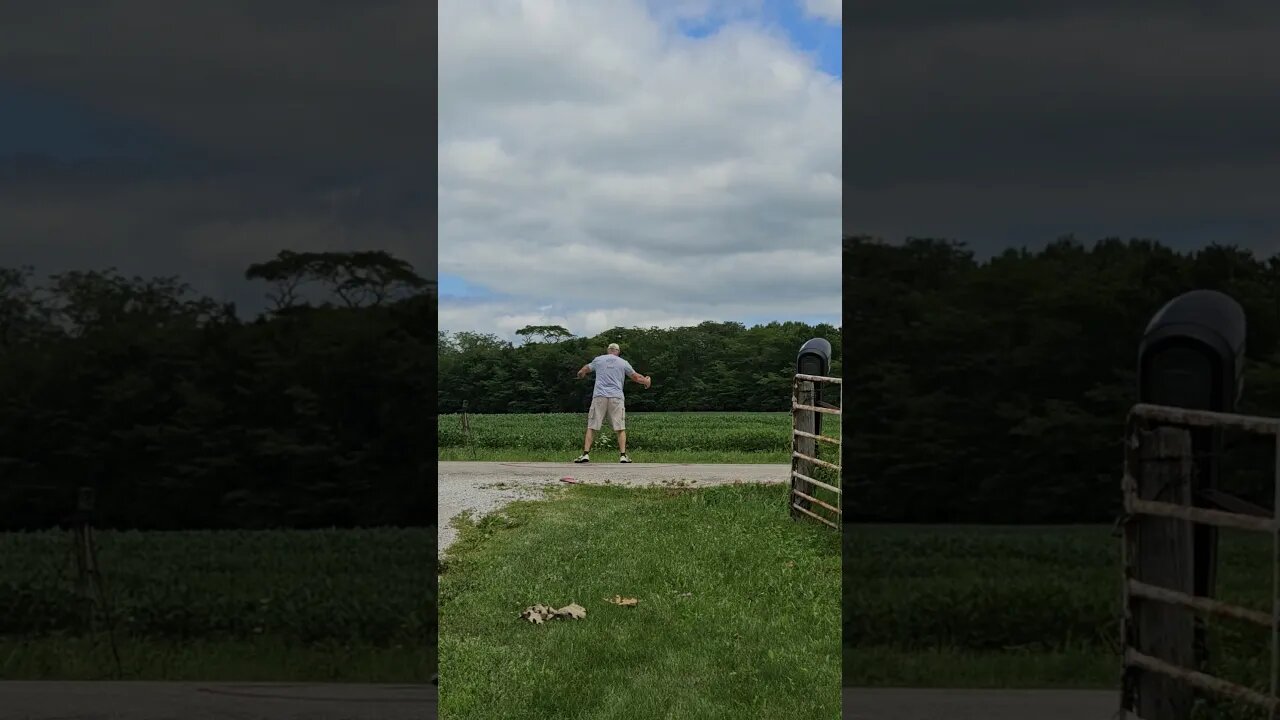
{"x":611,"y":374}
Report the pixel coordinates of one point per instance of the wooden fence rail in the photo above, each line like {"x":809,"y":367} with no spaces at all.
{"x":803,"y":500}
{"x":1158,"y":627}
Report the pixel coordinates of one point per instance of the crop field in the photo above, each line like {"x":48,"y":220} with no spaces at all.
{"x":729,"y":437}
{"x":934,"y":606}
{"x":357,"y":602}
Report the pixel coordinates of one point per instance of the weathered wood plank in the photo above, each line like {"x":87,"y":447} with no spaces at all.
{"x":1165,"y":633}
{"x":1201,"y":604}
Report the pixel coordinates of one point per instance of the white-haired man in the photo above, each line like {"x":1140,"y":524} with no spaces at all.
{"x":607,"y":399}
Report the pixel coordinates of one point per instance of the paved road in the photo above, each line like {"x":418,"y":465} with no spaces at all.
{"x":214,"y":701}
{"x":483,"y":487}
{"x":276,"y":701}
{"x":931,"y":704}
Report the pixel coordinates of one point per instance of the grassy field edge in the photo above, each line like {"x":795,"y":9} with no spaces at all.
{"x":738,"y":611}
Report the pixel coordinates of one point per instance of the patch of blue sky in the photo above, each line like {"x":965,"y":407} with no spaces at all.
{"x":456,"y":287}
{"x":43,"y":123}
{"x":811,"y":35}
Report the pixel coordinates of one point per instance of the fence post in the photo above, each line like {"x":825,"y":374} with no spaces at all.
{"x":82,"y":541}
{"x":1165,"y":558}
{"x":466,"y":430}
{"x":1275,"y":578}
{"x":805,"y":421}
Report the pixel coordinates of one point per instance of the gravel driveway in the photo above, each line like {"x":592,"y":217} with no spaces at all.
{"x":484,"y":487}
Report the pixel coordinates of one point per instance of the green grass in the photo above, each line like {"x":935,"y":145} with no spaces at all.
{"x":932,"y":606}
{"x":677,"y":437}
{"x":738,"y":614}
{"x":267,"y":605}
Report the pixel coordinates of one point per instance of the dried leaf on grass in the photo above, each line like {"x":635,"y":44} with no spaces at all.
{"x":624,"y":601}
{"x":538,"y":614}
{"x":573,"y":611}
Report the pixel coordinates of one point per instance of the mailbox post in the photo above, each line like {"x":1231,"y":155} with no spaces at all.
{"x":1191,"y":356}
{"x":814,"y":358}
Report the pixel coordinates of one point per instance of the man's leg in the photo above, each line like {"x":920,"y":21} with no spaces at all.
{"x":594,"y":416}
{"x":618,"y":418}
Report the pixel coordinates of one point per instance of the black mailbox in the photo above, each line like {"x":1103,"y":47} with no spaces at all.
{"x":1192,"y":356}
{"x":1192,"y":353}
{"x":815,"y":359}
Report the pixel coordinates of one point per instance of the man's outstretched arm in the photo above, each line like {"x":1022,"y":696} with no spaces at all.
{"x":583,"y":372}
{"x":642,"y":379}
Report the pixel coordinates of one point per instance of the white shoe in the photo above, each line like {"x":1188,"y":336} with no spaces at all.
{"x":623,"y":458}
{"x":584,"y":458}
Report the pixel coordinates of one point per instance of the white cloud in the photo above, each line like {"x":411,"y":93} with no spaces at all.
{"x":206,"y":230}
{"x":830,"y":10}
{"x":271,"y":133}
{"x":503,"y":317}
{"x":593,"y":159}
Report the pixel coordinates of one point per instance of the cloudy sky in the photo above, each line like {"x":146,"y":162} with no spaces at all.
{"x":633,"y":163}
{"x":1007,"y":123}
{"x":192,"y":138}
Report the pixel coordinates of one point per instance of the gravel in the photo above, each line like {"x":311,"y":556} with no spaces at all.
{"x":484,"y":487}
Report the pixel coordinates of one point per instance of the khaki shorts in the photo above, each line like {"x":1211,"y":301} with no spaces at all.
{"x":613,"y":408}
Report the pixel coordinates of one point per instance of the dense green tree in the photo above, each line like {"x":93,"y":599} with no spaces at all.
{"x":184,"y":416}
{"x":996,"y":390}
{"x":711,"y":366}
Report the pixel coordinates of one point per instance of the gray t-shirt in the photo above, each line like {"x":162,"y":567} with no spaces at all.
{"x":611,"y":372}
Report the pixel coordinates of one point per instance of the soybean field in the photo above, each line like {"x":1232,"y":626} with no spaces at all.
{"x":712,"y":437}
{"x":989,"y":606}
{"x":242,"y":605}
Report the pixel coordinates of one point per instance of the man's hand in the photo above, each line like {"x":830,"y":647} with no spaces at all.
{"x":583,"y":371}
{"x":648,"y":382}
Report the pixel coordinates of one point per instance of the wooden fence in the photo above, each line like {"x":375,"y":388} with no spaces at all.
{"x":1158,"y":629}
{"x":811,"y":497}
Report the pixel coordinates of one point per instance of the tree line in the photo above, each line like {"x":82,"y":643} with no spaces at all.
{"x":996,"y":390}
{"x":714,"y":366}
{"x":182,"y":415}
